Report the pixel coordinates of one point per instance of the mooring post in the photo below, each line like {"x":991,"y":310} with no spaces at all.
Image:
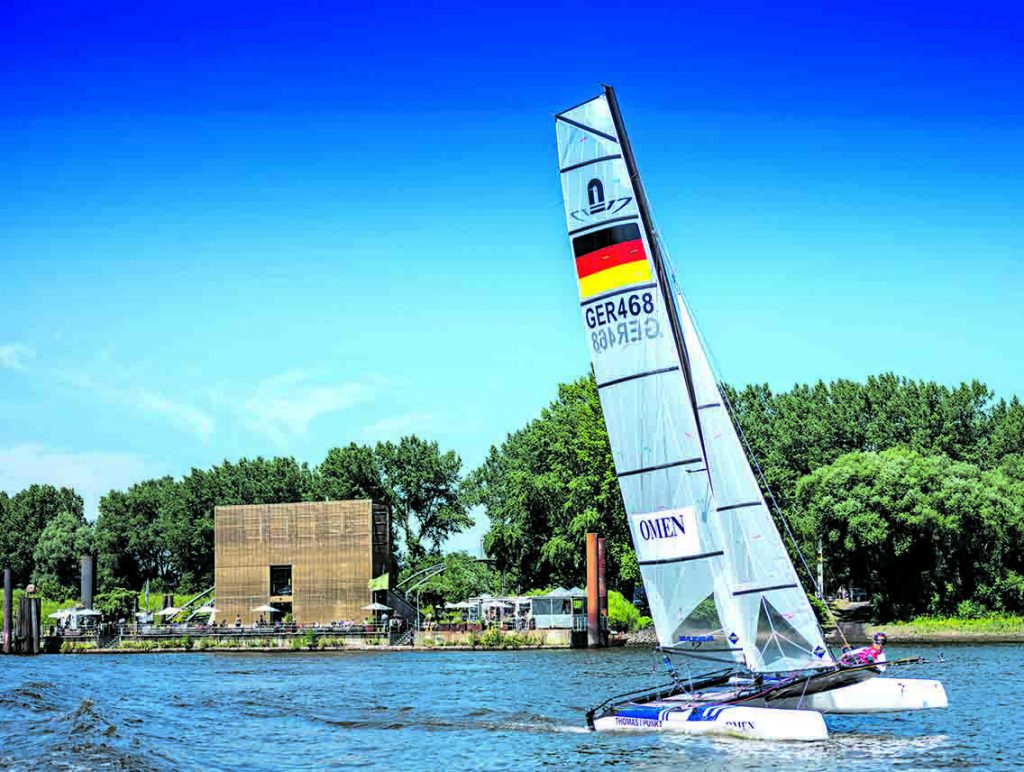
{"x":593,"y":593}
{"x":88,"y":581}
{"x":37,"y":640}
{"x":8,"y":609}
{"x":602,"y":589}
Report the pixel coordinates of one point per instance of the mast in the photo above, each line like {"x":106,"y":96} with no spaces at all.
{"x":659,"y":262}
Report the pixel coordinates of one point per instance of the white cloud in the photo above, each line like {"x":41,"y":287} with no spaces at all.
{"x":117,"y":387}
{"x":14,"y":355}
{"x":397,"y":426}
{"x":283,"y":406}
{"x":181,"y":415}
{"x":92,"y":474}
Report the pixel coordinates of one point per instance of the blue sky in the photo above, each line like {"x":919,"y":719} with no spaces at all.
{"x":276,"y":228}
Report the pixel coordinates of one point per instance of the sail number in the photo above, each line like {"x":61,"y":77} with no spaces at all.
{"x":615,"y":323}
{"x":620,"y":310}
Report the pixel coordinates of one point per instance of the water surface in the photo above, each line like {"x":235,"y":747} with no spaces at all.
{"x":456,"y":710}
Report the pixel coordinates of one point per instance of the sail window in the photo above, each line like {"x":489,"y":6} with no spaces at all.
{"x":778,"y":640}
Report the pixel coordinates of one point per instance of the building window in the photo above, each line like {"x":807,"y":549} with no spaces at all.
{"x":280,"y":580}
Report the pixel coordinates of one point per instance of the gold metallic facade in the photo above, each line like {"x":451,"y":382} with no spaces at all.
{"x":334,"y":548}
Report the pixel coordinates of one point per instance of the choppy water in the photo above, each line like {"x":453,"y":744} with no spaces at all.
{"x":454,"y":710}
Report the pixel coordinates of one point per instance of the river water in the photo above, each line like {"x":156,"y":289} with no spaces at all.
{"x":450,"y":710}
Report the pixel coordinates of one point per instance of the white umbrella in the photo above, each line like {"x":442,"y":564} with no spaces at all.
{"x":170,"y":611}
{"x":267,"y":609}
{"x":207,"y":609}
{"x":377,"y":607}
{"x":85,"y":612}
{"x":64,"y":613}
{"x":460,"y":604}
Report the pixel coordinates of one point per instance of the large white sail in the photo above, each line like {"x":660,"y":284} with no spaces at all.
{"x":718,"y":579}
{"x":777,"y":627}
{"x":652,"y":426}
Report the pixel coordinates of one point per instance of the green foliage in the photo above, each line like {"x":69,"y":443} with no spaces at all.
{"x":306,"y":640}
{"x":497,"y":639}
{"x":58,"y":551}
{"x":75,"y":647}
{"x":821,"y":611}
{"x":117,"y":603}
{"x":422,"y":486}
{"x":925,"y":534}
{"x":22,"y":520}
{"x":623,"y":616}
{"x":463,"y":577}
{"x":546,"y":487}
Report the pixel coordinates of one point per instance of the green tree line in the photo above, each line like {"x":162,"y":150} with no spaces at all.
{"x":916,"y":491}
{"x":161,"y":530}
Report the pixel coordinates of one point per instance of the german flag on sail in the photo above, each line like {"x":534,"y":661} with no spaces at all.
{"x":609,"y":259}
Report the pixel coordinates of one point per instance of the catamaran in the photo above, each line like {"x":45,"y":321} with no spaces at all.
{"x":723,"y":591}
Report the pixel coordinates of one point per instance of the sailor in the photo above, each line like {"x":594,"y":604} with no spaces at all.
{"x":869,"y":655}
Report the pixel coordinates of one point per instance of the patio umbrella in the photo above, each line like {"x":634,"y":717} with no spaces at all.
{"x":64,"y":613}
{"x":207,"y":609}
{"x":267,"y":609}
{"x":86,"y":612}
{"x":460,"y":604}
{"x":170,"y":611}
{"x":377,"y":607}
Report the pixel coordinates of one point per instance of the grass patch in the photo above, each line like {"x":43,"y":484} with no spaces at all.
{"x":992,"y":624}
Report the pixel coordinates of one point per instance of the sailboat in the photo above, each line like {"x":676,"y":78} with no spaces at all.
{"x":726,"y":600}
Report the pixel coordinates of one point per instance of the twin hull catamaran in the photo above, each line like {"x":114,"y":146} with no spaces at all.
{"x":723,"y":591}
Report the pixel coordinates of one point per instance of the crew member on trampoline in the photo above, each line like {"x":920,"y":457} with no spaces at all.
{"x":868,"y":655}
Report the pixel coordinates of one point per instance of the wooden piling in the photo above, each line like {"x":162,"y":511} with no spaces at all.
{"x":593,"y":593}
{"x":8,"y":610}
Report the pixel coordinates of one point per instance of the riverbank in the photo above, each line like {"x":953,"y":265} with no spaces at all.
{"x":991,"y":629}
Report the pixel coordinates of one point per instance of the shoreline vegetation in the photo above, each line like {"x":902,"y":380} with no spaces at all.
{"x":923,"y":630}
{"x":913,"y":490}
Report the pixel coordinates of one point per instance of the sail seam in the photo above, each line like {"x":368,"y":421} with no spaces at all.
{"x":590,"y":129}
{"x":605,"y":296}
{"x":669,"y":465}
{"x":766,"y":589}
{"x":633,"y":377}
{"x":665,"y":561}
{"x":738,"y":506}
{"x":582,"y":228}
{"x":709,"y":404}
{"x":588,"y":163}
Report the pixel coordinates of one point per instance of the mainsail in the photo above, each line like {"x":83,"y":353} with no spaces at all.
{"x":718,"y":579}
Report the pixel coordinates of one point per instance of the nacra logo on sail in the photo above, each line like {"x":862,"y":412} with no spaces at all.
{"x":596,"y":203}
{"x":667,"y":527}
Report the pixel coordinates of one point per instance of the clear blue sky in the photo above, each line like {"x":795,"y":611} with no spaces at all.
{"x":276,"y":228}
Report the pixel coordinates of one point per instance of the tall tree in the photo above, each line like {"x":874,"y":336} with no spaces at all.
{"x":922,"y":533}
{"x":129,"y":538}
{"x":422,"y":485}
{"x":546,"y":487}
{"x":351,"y":472}
{"x":23,"y":518}
{"x":57,"y":555}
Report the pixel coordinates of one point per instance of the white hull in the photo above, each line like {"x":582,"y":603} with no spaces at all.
{"x":723,"y":720}
{"x":878,"y":695}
